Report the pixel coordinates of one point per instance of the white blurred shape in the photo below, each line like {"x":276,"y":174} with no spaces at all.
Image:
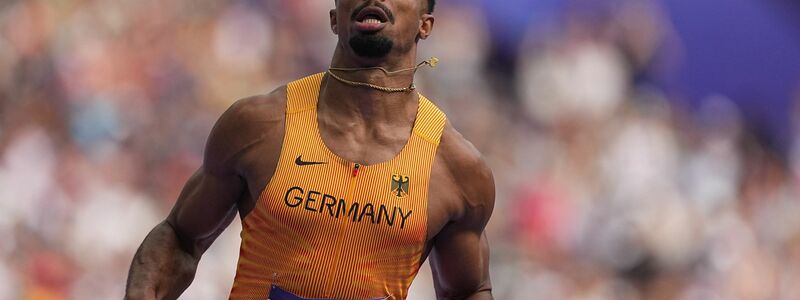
{"x":587,"y":80}
{"x":110,"y":221}
{"x":26,"y":175}
{"x":8,"y":282}
{"x":539,"y":285}
{"x":641,"y":160}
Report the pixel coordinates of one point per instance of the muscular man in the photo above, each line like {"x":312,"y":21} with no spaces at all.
{"x":346,"y":181}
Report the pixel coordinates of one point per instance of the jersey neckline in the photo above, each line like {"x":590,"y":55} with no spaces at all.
{"x":328,"y":151}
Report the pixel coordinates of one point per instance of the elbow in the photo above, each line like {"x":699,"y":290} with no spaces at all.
{"x":184,"y":244}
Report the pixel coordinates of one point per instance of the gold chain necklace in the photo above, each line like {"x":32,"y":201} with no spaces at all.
{"x":433,"y":61}
{"x":370,"y":85}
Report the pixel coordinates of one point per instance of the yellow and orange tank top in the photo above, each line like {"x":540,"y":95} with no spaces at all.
{"x":325,"y":227}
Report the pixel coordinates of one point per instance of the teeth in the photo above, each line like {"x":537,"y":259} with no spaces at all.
{"x":372,"y":21}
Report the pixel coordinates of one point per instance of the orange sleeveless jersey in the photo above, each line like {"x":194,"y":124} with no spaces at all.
{"x":325,"y":227}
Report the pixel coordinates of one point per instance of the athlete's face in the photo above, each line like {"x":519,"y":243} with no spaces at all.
{"x":377,"y":28}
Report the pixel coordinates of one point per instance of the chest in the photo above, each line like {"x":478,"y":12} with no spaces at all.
{"x":384,"y":198}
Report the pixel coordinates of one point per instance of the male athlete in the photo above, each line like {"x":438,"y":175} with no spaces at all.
{"x":346,"y":181}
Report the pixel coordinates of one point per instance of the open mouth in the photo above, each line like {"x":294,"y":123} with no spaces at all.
{"x":372,"y":14}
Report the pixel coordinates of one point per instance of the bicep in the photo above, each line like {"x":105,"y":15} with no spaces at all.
{"x":460,"y":254}
{"x":460,"y":262}
{"x":206,"y":205}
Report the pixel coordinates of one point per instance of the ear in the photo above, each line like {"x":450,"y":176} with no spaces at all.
{"x":334,"y":24}
{"x":426,"y":26}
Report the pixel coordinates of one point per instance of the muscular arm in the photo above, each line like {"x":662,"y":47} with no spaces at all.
{"x":460,"y":255}
{"x":165,"y":264}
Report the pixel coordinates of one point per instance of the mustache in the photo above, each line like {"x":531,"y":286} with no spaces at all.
{"x":364,"y":5}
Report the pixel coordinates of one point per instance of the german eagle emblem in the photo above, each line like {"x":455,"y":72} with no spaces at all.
{"x":400,"y":185}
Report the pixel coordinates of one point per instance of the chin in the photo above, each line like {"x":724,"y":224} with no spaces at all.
{"x":371,"y":46}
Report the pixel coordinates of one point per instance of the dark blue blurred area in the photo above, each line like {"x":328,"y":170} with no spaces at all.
{"x":747,"y":50}
{"x":510,"y":20}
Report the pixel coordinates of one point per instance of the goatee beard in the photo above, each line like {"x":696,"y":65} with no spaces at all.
{"x":371,"y":46}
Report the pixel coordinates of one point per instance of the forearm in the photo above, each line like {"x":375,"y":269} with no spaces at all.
{"x":161,"y":268}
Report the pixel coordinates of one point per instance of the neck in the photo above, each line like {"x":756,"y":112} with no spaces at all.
{"x":365,"y":104}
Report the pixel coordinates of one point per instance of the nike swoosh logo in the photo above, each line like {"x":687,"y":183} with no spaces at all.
{"x":299,"y":161}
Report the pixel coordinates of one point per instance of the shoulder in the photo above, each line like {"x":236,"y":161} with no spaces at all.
{"x":256,"y":108}
{"x":469,"y":173}
{"x":245,"y":123}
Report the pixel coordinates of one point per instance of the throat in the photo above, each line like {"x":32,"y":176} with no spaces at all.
{"x":341,"y":102}
{"x":367,"y":129}
{"x":372,"y":75}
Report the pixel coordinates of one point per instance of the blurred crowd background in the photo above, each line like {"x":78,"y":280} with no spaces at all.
{"x":642,"y":149}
